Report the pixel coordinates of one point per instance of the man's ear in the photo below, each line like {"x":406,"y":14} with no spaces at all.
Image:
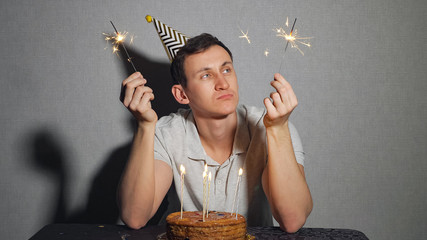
{"x":179,"y":94}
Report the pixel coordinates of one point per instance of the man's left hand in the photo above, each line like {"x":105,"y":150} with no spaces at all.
{"x":283,"y":101}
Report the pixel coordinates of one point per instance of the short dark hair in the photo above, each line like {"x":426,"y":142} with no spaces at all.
{"x":194,"y":45}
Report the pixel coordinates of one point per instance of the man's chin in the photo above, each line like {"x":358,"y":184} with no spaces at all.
{"x":225,"y":112}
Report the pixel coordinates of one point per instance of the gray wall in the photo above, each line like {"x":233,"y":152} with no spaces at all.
{"x":361,"y":87}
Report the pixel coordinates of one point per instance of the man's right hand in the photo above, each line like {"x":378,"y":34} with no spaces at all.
{"x":137,"y":97}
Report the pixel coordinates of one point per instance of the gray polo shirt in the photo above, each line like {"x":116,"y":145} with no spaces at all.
{"x":177,"y":142}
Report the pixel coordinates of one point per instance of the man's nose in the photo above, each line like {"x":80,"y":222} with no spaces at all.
{"x":221,"y":83}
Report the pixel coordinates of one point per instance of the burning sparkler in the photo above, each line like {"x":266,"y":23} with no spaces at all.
{"x":293,"y":38}
{"x":118,"y":39}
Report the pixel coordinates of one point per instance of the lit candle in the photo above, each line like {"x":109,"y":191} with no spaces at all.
{"x":209,"y":190}
{"x":238,"y":187}
{"x":236,"y":192}
{"x":182,"y":168}
{"x":204,"y":195}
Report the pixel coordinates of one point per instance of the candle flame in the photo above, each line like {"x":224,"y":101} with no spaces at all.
{"x":204,"y":175}
{"x":240,"y":172}
{"x":210,"y":176}
{"x":182,"y":168}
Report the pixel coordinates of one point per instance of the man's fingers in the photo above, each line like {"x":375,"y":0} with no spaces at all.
{"x":285,"y":91}
{"x":269,"y":106}
{"x":132,"y":77}
{"x":136,"y":98}
{"x":281,"y":79}
{"x":141,"y":101}
{"x":129,"y":89}
{"x":146,"y":99}
{"x":280,"y":84}
{"x":144,"y":103}
{"x":275,"y":96}
{"x":283,"y":101}
{"x":135,"y":82}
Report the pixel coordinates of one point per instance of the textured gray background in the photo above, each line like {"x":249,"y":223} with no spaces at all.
{"x":361,"y":87}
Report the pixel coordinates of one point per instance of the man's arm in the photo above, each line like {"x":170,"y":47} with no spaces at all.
{"x":283,"y":178}
{"x":141,"y":189}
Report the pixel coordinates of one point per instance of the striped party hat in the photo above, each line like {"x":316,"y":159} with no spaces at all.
{"x":172,"y":40}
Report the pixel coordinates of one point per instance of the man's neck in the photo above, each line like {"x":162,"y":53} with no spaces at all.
{"x":217,"y":136}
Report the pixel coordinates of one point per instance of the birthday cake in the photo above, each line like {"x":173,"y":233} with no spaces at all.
{"x":218,"y":225}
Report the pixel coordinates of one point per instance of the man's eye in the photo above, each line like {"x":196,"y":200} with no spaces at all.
{"x":227,"y":70}
{"x":205,"y":76}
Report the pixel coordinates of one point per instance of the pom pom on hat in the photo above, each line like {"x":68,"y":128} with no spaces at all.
{"x":149,"y":18}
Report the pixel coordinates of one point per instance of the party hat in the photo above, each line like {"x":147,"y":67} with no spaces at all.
{"x":172,"y":40}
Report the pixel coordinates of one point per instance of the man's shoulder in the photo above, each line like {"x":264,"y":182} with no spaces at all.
{"x":174,"y":119}
{"x":251,"y":114}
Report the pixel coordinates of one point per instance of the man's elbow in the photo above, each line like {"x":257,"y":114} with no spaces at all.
{"x":292,"y":225}
{"x":134,"y":223}
{"x":292,"y":221}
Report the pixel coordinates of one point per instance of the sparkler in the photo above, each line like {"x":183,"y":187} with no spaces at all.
{"x":293,"y":38}
{"x":117,"y":40}
{"x":290,"y":35}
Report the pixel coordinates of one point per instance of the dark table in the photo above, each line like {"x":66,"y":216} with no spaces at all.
{"x":120,"y":232}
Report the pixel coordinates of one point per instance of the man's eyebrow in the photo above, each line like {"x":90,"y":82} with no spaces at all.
{"x":208,"y":68}
{"x":226,"y":63}
{"x":203,"y":69}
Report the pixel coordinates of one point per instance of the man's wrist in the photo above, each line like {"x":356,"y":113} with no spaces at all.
{"x":278,"y":131}
{"x":146,"y":126}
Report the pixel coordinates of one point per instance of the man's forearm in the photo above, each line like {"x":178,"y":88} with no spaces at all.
{"x":284,"y":181}
{"x":137,"y":188}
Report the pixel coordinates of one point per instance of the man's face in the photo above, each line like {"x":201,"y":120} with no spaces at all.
{"x":212,"y":87}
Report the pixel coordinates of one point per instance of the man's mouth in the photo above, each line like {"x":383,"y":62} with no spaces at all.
{"x":225,"y":96}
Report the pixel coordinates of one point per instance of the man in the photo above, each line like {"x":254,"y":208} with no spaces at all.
{"x":215,"y":131}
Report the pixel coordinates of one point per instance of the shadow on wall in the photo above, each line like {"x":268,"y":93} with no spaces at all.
{"x":101,"y":206}
{"x":48,"y":156}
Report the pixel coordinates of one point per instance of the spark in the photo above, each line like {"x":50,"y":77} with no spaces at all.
{"x":116,"y":39}
{"x":115,"y":49}
{"x":120,"y":37}
{"x":131,"y":39}
{"x":293,"y":38}
{"x":266,"y":52}
{"x":245,"y":36}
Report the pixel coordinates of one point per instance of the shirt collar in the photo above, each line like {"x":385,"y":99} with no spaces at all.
{"x":241,"y":138}
{"x":195,"y":149}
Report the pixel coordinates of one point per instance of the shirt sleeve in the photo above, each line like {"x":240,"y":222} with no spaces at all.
{"x":160,"y":152}
{"x":297,"y":145}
